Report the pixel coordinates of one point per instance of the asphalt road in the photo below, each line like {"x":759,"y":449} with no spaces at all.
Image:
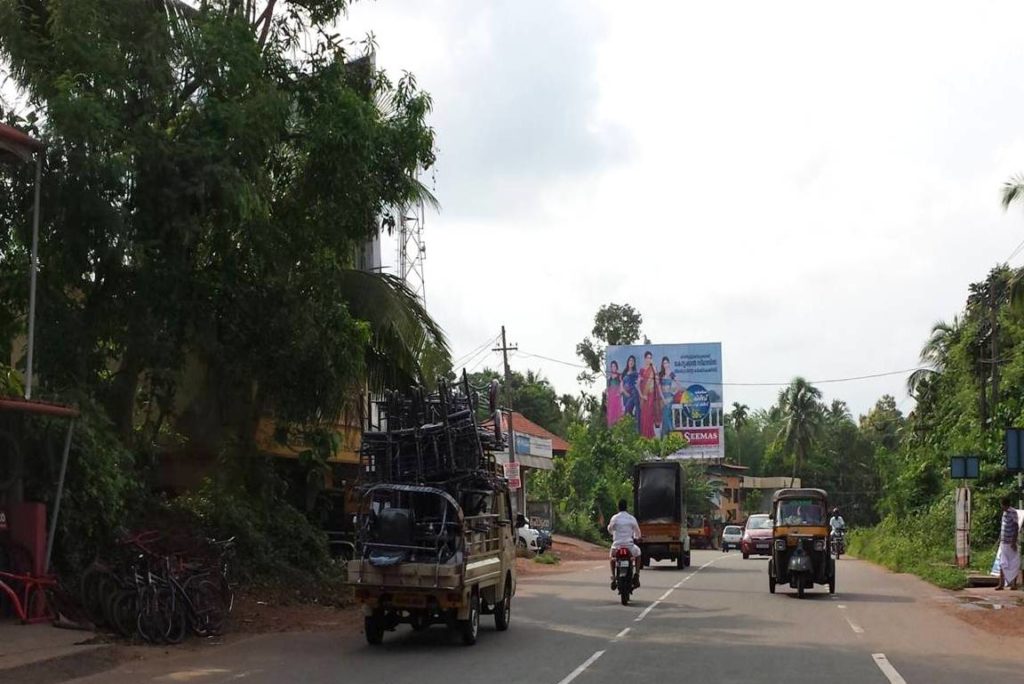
{"x":713,"y":622}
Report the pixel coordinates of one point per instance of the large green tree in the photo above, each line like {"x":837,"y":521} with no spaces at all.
{"x":211,"y":171}
{"x":614,"y":324}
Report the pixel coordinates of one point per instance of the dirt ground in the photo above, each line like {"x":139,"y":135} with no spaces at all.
{"x":996,"y":612}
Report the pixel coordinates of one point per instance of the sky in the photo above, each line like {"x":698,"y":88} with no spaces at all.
{"x":813,"y":185}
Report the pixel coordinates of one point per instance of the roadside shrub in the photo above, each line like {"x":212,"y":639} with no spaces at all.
{"x":275,"y":542}
{"x":581,"y":526}
{"x":547,"y":558}
{"x":103,"y":488}
{"x":924,"y":544}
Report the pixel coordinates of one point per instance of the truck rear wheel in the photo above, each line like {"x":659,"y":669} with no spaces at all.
{"x":503,"y":611}
{"x":470,"y":627}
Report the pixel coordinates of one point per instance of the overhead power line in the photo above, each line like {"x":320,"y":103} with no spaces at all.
{"x":466,"y":358}
{"x":826,"y":381}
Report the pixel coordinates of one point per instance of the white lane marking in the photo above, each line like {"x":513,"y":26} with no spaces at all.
{"x":582,"y":668}
{"x":678,"y":584}
{"x":623,"y":633}
{"x":647,"y":610}
{"x":857,"y":629}
{"x":887,"y":669}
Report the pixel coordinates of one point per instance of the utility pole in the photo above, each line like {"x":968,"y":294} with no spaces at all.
{"x":504,"y":349}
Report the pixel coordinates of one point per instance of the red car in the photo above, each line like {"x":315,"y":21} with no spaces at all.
{"x":757,"y":536}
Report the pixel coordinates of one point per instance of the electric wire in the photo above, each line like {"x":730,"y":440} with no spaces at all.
{"x":825,"y":381}
{"x":467,"y":358}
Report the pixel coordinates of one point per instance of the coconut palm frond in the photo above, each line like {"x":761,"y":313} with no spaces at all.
{"x":1013,"y":190}
{"x":400,"y":326}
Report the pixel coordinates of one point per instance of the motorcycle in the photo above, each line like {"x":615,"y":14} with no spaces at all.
{"x":838,"y":543}
{"x":625,"y":574}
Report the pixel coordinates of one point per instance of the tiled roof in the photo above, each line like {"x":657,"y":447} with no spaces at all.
{"x":524,"y":426}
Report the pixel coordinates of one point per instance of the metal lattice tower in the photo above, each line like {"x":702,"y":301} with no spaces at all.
{"x":412,"y":250}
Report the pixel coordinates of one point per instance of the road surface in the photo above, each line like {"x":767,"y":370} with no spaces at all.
{"x":713,"y":622}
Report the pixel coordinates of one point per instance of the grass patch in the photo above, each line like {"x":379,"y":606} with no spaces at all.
{"x":547,"y":558}
{"x":921,"y":546}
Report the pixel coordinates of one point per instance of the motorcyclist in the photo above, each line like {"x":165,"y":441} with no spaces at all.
{"x":836,"y":522}
{"x":624,"y":529}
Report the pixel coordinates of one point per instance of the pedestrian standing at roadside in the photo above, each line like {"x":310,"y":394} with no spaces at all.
{"x":1009,"y":555}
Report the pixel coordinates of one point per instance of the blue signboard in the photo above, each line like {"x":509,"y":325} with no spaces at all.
{"x":965,"y":467}
{"x":1015,"y":450}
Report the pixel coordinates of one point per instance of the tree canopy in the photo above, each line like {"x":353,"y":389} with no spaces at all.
{"x":210,"y":173}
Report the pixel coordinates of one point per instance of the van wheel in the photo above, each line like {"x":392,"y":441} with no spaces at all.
{"x":503,"y":611}
{"x":470,"y":627}
{"x":373,"y":625}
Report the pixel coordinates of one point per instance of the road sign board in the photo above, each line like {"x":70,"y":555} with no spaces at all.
{"x":965,"y":467}
{"x":512,"y":475}
{"x":1015,"y":450}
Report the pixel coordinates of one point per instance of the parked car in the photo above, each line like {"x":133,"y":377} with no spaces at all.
{"x":732,"y":535}
{"x":757,"y":536}
{"x":531,"y":538}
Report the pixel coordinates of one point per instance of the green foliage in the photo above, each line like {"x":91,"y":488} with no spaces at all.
{"x":274,"y":540}
{"x":210,"y":177}
{"x":614,"y":324}
{"x":589,"y":480}
{"x":103,"y":490}
{"x":209,"y":181}
{"x":10,"y":382}
{"x":578,"y":524}
{"x":922,"y":545}
{"x":547,"y":558}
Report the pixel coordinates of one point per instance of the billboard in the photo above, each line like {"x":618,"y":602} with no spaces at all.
{"x":669,"y":388}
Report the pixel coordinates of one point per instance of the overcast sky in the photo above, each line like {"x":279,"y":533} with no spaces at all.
{"x":811,"y":185}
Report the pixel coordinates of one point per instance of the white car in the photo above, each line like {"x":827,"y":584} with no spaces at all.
{"x":732,"y":535}
{"x":531,"y":538}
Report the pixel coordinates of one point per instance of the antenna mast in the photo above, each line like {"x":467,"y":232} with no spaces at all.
{"x":412,"y":250}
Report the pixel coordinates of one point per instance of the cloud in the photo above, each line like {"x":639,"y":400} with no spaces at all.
{"x":812,"y":185}
{"x":515,"y":93}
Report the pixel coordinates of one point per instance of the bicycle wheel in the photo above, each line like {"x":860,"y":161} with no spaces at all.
{"x":209,"y":607}
{"x":177,"y":620}
{"x":154,"y":621}
{"x":124,"y":612}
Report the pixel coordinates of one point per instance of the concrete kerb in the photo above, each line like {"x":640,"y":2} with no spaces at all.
{"x":39,"y":654}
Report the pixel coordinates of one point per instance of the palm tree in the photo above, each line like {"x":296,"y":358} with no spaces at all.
{"x":801,"y":407}
{"x":1013,"y":193}
{"x":934,"y":354}
{"x":838,"y":412}
{"x":740,"y":414}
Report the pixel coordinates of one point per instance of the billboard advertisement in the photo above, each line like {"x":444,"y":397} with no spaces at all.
{"x":669,"y":388}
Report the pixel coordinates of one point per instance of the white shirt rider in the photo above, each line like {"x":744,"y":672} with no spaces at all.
{"x":837,"y":523}
{"x":624,"y":529}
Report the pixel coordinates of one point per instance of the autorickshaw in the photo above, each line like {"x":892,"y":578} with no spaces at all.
{"x":800,"y":541}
